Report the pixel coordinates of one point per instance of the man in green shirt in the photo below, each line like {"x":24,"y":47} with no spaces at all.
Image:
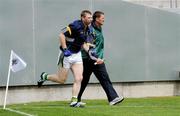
{"x":97,"y":65}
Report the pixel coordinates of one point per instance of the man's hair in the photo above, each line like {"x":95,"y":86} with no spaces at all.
{"x":97,"y":14}
{"x":84,"y":12}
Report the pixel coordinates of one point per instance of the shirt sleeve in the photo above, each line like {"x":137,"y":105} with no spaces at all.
{"x":68,"y":31}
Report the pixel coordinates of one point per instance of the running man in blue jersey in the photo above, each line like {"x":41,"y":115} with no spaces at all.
{"x":71,"y":39}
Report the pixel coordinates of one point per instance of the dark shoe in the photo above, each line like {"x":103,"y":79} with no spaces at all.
{"x":42,"y":80}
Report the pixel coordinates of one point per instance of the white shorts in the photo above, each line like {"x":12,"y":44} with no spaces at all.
{"x":67,"y":62}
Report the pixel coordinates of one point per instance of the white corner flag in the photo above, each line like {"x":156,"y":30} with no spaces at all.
{"x":15,"y":64}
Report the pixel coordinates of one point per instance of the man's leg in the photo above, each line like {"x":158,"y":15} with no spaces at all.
{"x":60,"y":76}
{"x":86,"y":76}
{"x":77,"y":70}
{"x":103,"y":77}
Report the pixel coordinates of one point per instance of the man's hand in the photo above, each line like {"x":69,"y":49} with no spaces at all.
{"x":91,"y":45}
{"x":87,"y":46}
{"x":99,"y":61}
{"x":67,"y":52}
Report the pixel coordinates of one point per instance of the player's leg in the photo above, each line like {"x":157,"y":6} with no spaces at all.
{"x":87,"y":71}
{"x":60,"y":76}
{"x":77,"y":70}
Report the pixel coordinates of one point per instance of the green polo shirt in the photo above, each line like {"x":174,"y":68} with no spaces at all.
{"x":98,"y":41}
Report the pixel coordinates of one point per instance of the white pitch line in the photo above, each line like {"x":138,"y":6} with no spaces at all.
{"x":19,"y":112}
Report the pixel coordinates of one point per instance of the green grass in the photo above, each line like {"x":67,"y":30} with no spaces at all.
{"x":159,"y":106}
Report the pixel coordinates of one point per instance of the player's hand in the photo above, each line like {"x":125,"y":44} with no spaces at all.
{"x":91,"y":45}
{"x":99,"y":61}
{"x":87,"y":46}
{"x":67,"y":52}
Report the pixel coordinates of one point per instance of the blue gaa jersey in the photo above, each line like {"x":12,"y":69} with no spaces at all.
{"x":76,"y":35}
{"x":90,"y":38}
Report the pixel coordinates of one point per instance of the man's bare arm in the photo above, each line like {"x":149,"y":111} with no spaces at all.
{"x":62,"y":40}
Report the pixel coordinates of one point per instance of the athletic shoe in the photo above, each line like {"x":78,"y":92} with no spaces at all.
{"x":42,"y":79}
{"x":82,"y":103}
{"x":73,"y":104}
{"x":74,"y":101}
{"x":77,"y":104}
{"x":116,"y":100}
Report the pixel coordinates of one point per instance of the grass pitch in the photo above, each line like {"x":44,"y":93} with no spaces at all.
{"x":158,"y":106}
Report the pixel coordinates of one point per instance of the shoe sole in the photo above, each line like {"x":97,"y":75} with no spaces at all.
{"x":74,"y":105}
{"x":118,"y":102}
{"x":77,"y":105}
{"x":39,"y":84}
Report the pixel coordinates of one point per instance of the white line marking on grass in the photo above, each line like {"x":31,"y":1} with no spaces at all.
{"x":19,"y":112}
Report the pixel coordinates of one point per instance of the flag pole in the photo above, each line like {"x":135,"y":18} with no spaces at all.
{"x":9,"y":71}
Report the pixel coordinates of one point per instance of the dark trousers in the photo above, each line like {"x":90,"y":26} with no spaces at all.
{"x":101,"y":74}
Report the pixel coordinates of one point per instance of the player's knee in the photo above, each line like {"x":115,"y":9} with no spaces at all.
{"x":79,"y":79}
